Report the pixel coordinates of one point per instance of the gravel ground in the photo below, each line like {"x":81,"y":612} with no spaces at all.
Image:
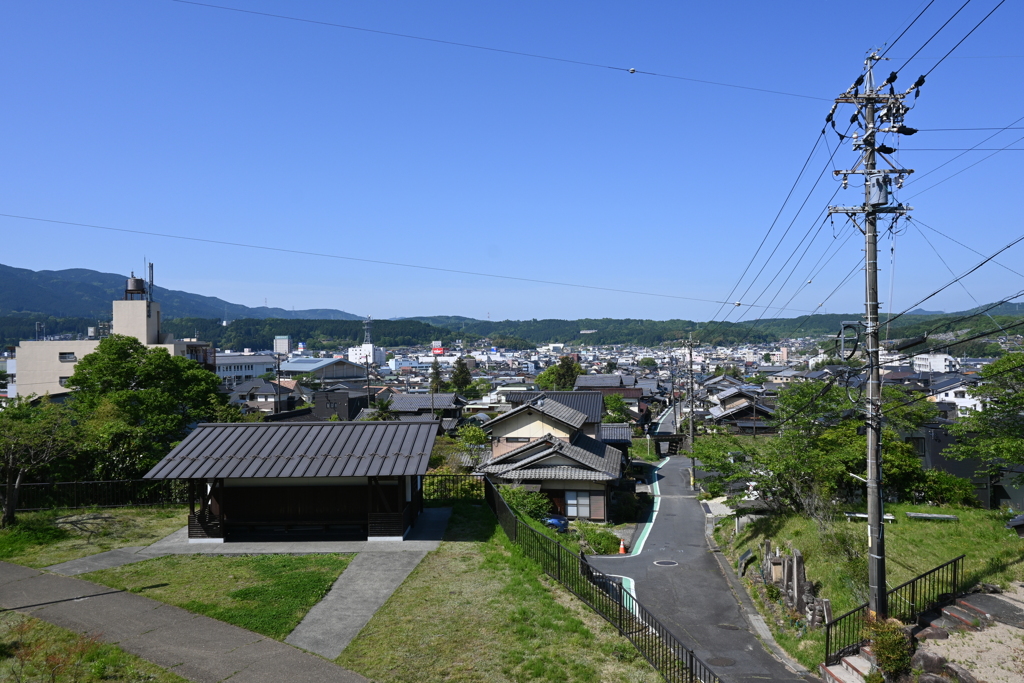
{"x":995,"y":655}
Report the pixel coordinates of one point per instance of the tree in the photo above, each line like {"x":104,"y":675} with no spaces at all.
{"x":759,"y":378}
{"x":436,"y":380}
{"x":461,"y":377}
{"x":472,"y":435}
{"x":382,"y":411}
{"x":616,"y":408}
{"x":808,"y":465}
{"x":477,"y":389}
{"x":135,"y":403}
{"x":560,"y":376}
{"x":610,"y":367}
{"x":995,"y":434}
{"x":767,"y":358}
{"x":648,"y":363}
{"x":33,"y":434}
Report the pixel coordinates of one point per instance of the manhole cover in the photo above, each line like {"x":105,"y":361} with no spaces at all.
{"x":666,"y":563}
{"x":721,"y":661}
{"x":729,"y":627}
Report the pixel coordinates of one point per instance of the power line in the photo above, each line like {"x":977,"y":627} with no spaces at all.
{"x":920,"y":14}
{"x":985,"y":158}
{"x":938,"y":232}
{"x":960,"y":149}
{"x":949,"y":161}
{"x":496,"y":49}
{"x":965,"y":37}
{"x":365,"y":260}
{"x":957,"y":278}
{"x":933,"y":37}
{"x":931,"y":130}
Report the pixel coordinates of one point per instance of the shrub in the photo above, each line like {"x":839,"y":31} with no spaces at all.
{"x":891,"y":646}
{"x":943,"y":488}
{"x":528,"y":503}
{"x":601,"y":541}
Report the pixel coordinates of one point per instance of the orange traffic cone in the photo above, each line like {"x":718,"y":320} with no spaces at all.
{"x":622,"y":546}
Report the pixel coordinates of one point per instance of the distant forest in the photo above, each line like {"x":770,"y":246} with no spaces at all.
{"x":520,"y":334}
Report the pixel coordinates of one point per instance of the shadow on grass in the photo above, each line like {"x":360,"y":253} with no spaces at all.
{"x":993,"y":568}
{"x":471,"y":521}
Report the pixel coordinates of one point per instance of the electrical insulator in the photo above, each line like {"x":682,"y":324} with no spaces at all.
{"x":846,"y":181}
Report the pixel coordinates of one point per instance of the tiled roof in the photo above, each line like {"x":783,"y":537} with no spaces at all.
{"x":616,"y":432}
{"x":299,"y":449}
{"x":590,"y":453}
{"x":604,"y":381}
{"x":590,"y":403}
{"x":552,"y":409}
{"x":411,"y":403}
{"x":558,"y":472}
{"x":313,"y":364}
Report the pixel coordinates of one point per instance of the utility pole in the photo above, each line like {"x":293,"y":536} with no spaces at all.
{"x":689,"y":400}
{"x":875,"y":108}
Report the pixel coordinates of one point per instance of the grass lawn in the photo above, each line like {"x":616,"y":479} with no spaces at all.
{"x":476,"y":609}
{"x":643,"y":449}
{"x":268,"y":594}
{"x":41,"y":539}
{"x":32,"y":650}
{"x":839,"y":568}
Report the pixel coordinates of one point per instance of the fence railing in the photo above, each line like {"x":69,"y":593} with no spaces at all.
{"x":605,"y":595}
{"x":844,"y":635}
{"x":453,"y":487}
{"x":102,"y":494}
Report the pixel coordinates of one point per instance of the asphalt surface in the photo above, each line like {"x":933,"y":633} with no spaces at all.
{"x":193,"y":646}
{"x":694,"y":598}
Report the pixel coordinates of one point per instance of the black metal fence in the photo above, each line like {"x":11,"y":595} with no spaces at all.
{"x":605,"y":595}
{"x":844,"y":635}
{"x":437,"y":487}
{"x":102,"y":494}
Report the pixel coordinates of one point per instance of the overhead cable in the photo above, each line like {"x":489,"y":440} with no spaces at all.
{"x":496,"y":49}
{"x":362,"y":260}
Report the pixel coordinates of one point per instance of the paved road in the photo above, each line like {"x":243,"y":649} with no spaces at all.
{"x":694,"y":599}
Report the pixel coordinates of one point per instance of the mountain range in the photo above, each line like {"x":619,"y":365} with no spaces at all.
{"x":82,"y":293}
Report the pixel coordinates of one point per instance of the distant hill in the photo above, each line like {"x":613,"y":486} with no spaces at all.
{"x":921,"y":311}
{"x":82,"y":293}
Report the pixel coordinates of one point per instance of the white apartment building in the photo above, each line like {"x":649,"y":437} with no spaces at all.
{"x":935,"y":362}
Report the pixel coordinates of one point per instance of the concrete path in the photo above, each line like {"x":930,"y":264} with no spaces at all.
{"x":364,"y":586}
{"x":192,"y":646}
{"x":425,"y":536}
{"x":695,"y":599}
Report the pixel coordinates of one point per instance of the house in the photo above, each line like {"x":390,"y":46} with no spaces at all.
{"x":574,"y":472}
{"x":450,"y":405}
{"x":263,"y":396}
{"x":742,"y":409}
{"x":285,"y":479}
{"x":955,"y":390}
{"x":591,"y":404}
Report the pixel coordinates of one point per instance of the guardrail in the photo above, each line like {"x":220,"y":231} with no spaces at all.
{"x":605,"y":595}
{"x":844,"y":635}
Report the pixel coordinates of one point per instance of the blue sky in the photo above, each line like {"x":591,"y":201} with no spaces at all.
{"x":173,"y":118}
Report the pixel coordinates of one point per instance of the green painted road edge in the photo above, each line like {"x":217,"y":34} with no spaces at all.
{"x":639,"y":545}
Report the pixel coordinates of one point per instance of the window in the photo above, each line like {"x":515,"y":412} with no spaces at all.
{"x":517,"y":439}
{"x":919,"y":445}
{"x":68,"y":357}
{"x":63,"y":381}
{"x":959,"y":394}
{"x":577,"y":504}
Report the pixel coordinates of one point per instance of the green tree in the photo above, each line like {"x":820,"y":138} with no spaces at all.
{"x":382,"y":411}
{"x":472,"y":435}
{"x":32,"y":435}
{"x":436,"y":379}
{"x":767,"y":358}
{"x":759,"y":378}
{"x":648,"y":363}
{"x":135,"y":403}
{"x":461,"y":377}
{"x":477,"y":389}
{"x":616,"y":408}
{"x":995,"y":434}
{"x":560,"y":376}
{"x":610,"y":367}
{"x":808,"y":465}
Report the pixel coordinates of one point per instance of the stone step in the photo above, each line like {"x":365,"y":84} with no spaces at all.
{"x":868,"y":654}
{"x":857,"y":665}
{"x":967,"y":620}
{"x":980,"y":613}
{"x":838,"y":674}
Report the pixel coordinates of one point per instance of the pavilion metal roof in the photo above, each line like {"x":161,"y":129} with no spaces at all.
{"x":300,"y":449}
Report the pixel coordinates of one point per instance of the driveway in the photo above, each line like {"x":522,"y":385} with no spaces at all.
{"x":693,"y":598}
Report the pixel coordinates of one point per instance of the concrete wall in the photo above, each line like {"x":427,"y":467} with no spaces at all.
{"x":40,"y":368}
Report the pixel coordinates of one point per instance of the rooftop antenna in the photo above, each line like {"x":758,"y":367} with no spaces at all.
{"x":151,"y":282}
{"x":367,"y":326}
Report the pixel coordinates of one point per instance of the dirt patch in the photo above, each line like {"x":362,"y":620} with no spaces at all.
{"x":995,"y":655}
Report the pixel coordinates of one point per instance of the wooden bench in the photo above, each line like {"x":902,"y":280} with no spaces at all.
{"x":850,"y":516}
{"x":926,"y":515}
